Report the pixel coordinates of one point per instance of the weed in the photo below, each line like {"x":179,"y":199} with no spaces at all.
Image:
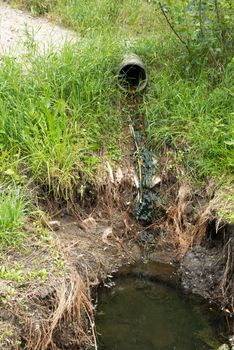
{"x":205,"y":28}
{"x":194,"y":116}
{"x":13,"y":210}
{"x":38,"y":7}
{"x":130,"y":18}
{"x":8,"y":335}
{"x":20,"y":276}
{"x":61,"y":115}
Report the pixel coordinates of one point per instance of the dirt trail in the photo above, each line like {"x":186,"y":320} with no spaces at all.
{"x":17,"y":28}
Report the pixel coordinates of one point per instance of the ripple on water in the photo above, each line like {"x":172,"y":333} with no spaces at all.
{"x":146,"y":311}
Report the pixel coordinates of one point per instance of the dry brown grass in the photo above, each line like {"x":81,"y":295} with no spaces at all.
{"x":183,"y":231}
{"x":186,"y":234}
{"x":227,"y":282}
{"x":70,"y":304}
{"x":44,"y":312}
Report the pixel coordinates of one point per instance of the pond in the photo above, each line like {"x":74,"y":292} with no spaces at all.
{"x":145,"y":309}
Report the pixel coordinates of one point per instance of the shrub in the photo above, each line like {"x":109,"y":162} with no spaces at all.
{"x":205,"y":27}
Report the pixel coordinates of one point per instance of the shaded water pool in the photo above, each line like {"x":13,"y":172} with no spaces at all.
{"x":146,"y":310}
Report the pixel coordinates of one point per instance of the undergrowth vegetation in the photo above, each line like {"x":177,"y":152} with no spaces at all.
{"x":63,"y":118}
{"x":204,"y":27}
{"x":58,"y":114}
{"x":195,"y":118}
{"x":13,"y":211}
{"x":62,"y":115}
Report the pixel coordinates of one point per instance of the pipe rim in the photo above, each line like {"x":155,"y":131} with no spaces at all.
{"x":133,"y":60}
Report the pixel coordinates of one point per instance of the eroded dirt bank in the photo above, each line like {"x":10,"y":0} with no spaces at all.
{"x":207,"y":268}
{"x":55,"y":311}
{"x":89,"y":245}
{"x":52,"y":306}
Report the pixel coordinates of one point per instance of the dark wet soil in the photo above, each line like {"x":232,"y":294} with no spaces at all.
{"x":207,"y":269}
{"x":201,"y":271}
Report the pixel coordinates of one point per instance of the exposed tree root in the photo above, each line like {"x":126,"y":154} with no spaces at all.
{"x":68,"y":304}
{"x":227,"y":281}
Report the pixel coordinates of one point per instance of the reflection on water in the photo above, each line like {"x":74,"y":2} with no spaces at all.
{"x":146,"y":311}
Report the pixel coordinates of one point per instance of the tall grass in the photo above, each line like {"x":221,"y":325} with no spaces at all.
{"x":13,"y":210}
{"x":130,"y":17}
{"x":91,"y":17}
{"x":194,"y":116}
{"x":37,"y":7}
{"x":60,"y":113}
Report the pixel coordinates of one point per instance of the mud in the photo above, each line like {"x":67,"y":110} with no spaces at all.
{"x":207,"y":269}
{"x":93,"y":247}
{"x":201,"y":272}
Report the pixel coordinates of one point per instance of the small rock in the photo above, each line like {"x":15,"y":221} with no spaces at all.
{"x":155,"y":181}
{"x":54,"y":225}
{"x":146,"y":237}
{"x":188,"y":209}
{"x":107,"y":232}
{"x":159,"y":231}
{"x":90,"y":224}
{"x":223,"y":347}
{"x":231,"y":341}
{"x":119,"y":176}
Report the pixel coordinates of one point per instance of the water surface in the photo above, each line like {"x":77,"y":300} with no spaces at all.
{"x":146,"y":310}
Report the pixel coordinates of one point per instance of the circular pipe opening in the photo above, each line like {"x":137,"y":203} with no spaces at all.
{"x":132,"y":76}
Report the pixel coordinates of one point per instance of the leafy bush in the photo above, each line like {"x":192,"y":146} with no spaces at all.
{"x":205,"y":27}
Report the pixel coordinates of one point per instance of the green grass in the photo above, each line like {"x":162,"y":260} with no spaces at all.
{"x":19,"y":274}
{"x":60,"y":114}
{"x":62,"y":117}
{"x":91,"y":17}
{"x":194,"y":116}
{"x":131,"y":18}
{"x":13,"y":212}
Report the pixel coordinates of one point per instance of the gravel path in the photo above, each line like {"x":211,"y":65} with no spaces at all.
{"x":17,"y":27}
